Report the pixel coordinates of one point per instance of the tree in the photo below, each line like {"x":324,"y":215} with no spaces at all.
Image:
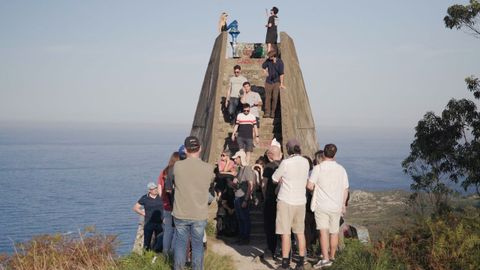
{"x":464,"y":16}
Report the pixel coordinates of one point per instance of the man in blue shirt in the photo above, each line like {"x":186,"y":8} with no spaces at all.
{"x":273,"y":68}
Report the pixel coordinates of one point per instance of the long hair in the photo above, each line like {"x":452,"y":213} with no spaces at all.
{"x":222,"y":21}
{"x":173,"y":158}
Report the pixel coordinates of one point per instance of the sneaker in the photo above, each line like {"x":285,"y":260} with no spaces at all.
{"x":322,"y":263}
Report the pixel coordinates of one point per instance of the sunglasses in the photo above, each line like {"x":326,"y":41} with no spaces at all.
{"x":222,"y":155}
{"x":246,"y":110}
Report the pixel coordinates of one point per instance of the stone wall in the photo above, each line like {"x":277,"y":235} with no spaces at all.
{"x":297,"y":119}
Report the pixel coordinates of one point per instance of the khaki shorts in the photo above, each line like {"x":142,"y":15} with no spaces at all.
{"x":290,"y":218}
{"x":327,"y":220}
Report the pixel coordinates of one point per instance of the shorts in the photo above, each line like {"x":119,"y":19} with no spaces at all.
{"x":245,"y":144}
{"x":290,"y":218}
{"x":327,"y":220}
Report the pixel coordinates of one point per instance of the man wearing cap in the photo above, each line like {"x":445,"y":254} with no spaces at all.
{"x":330,"y":181}
{"x":292,"y":176}
{"x":243,"y":191}
{"x":192,"y":178}
{"x":152,"y":211}
{"x":273,"y":68}
{"x":246,"y":126}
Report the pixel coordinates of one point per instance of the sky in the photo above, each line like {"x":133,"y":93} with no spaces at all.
{"x":365,"y":63}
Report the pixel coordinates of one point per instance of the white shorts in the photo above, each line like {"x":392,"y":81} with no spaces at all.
{"x":327,"y":220}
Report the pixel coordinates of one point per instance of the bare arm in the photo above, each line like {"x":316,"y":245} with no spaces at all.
{"x":310,"y":186}
{"x":137,"y":208}
{"x":282,"y":86}
{"x":234,"y":132}
{"x":345,"y":196}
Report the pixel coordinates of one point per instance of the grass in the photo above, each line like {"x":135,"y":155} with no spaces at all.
{"x":90,"y":250}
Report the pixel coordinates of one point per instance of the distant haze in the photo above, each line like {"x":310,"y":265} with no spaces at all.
{"x":375,"y":63}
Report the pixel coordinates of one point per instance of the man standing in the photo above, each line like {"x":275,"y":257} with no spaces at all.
{"x":234,"y":92}
{"x":292,"y":175}
{"x":253,"y":99}
{"x":244,"y":188}
{"x":192,"y":178}
{"x":273,"y":68}
{"x":274,"y":155}
{"x":331,"y":187}
{"x":246,"y":125}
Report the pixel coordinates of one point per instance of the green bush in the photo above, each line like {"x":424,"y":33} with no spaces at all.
{"x":450,"y":241}
{"x":357,"y":256}
{"x":144,"y":262}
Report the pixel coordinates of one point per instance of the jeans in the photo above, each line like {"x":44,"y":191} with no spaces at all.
{"x":233,"y":107}
{"x":149,"y":229}
{"x":185,"y":229}
{"x":243,"y":217}
{"x":168,"y":232}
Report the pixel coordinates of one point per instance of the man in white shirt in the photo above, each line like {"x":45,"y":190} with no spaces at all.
{"x":330,"y":183}
{"x":292,"y":175}
{"x":253,"y":99}
{"x":234,"y":92}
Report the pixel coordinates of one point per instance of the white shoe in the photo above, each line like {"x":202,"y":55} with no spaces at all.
{"x":322,"y":263}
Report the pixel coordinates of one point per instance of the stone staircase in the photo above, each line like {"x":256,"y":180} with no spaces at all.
{"x":269,"y":127}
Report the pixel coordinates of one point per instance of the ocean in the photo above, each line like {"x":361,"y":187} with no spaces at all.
{"x":61,"y":178}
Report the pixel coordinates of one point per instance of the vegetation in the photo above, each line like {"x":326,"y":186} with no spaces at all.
{"x":90,"y":250}
{"x":464,"y":16}
{"x":450,"y":241}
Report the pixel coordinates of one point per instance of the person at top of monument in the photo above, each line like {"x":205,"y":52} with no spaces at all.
{"x":253,"y":99}
{"x":272,"y":32}
{"x":273,"y":69}
{"x":234,"y":92}
{"x":222,"y":23}
{"x":246,"y":125}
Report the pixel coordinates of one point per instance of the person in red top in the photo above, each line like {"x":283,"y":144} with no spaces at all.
{"x":168,"y":235}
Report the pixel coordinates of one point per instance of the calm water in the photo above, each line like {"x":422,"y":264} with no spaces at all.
{"x":60,"y":179}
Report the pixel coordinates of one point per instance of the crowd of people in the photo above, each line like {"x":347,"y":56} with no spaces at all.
{"x":302,"y":200}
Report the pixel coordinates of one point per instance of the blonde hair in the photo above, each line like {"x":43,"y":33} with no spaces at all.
{"x":222,"y":21}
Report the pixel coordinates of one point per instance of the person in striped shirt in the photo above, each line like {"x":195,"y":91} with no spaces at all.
{"x":245,"y":130}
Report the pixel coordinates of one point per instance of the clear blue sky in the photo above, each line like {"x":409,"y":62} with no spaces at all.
{"x":365,"y":63}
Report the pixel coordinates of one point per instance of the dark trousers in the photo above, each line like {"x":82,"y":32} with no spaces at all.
{"x":272,"y":91}
{"x":243,"y":217}
{"x":310,"y":229}
{"x":269,"y":217}
{"x":149,"y":229}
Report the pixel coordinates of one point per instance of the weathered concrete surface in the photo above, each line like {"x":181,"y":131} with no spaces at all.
{"x":204,"y":126}
{"x":297,"y":119}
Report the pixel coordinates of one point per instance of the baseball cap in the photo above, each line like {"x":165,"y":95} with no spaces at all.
{"x":151,"y":185}
{"x":243,"y":157}
{"x":192,"y":143}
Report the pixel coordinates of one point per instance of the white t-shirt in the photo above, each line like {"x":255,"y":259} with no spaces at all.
{"x":253,"y":98}
{"x":236,"y":84}
{"x":331,"y":180}
{"x":294,"y":174}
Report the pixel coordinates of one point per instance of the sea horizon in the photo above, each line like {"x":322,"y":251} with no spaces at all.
{"x":76,"y":175}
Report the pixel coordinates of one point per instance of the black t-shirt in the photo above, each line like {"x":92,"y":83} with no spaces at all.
{"x":268,"y":171}
{"x":153,"y":208}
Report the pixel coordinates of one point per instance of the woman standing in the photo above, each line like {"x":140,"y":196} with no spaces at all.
{"x":152,"y":211}
{"x":222,"y":24}
{"x":272,"y":33}
{"x":168,"y":234}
